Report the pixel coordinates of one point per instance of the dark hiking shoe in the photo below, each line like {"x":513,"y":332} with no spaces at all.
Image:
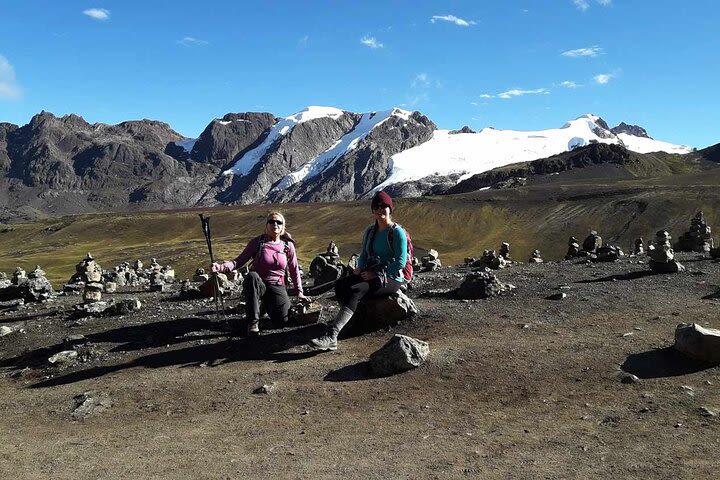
{"x":324,"y":343}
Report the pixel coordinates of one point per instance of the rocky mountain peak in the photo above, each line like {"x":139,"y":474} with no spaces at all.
{"x":630,"y":130}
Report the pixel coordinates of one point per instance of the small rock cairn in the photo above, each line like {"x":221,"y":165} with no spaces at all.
{"x":698,"y":238}
{"x":535,"y":257}
{"x":24,"y":287}
{"x":573,"y":248}
{"x":431,"y":261}
{"x":639,"y":247}
{"x":327,"y":267}
{"x":662,"y":256}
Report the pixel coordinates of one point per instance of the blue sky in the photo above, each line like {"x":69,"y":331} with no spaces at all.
{"x":526,"y":65}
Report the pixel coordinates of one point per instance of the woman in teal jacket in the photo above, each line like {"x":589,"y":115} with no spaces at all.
{"x":379,"y":272}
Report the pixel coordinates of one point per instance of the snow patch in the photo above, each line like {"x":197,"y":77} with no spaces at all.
{"x":346,"y":144}
{"x":490,"y":148}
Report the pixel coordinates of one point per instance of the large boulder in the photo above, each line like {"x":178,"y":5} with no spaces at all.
{"x":398,"y":355}
{"x":698,"y":343}
{"x":376,"y":313}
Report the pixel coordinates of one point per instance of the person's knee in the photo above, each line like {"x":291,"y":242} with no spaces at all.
{"x":251,"y":280}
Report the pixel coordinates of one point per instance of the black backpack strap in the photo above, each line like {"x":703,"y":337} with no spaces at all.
{"x":261,"y":242}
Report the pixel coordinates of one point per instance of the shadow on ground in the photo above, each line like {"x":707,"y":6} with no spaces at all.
{"x":269,"y":346}
{"x":665,"y":362}
{"x":622,"y":277}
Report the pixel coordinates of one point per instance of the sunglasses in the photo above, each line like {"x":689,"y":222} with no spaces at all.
{"x":380,"y":207}
{"x":274,"y":222}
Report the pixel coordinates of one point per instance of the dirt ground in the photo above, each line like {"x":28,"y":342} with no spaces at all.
{"x":516,"y":386}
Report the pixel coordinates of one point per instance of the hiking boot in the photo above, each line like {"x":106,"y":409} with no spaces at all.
{"x":253,"y":328}
{"x":325,"y":343}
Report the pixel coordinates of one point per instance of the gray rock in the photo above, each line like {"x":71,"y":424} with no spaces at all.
{"x":64,"y":358}
{"x":706,"y":412}
{"x":398,"y":355}
{"x":5,"y":330}
{"x":699,"y":343}
{"x":89,"y":403}
{"x":266,"y":389}
{"x":629,"y":378}
{"x":123,"y":307}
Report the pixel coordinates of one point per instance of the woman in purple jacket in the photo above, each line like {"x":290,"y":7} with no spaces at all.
{"x":272,"y":253}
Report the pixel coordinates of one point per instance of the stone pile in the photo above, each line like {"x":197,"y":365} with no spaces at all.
{"x":698,"y":238}
{"x":88,"y":277}
{"x":490,"y":259}
{"x":535,"y":257}
{"x":639,"y":247}
{"x":591,"y":243}
{"x":662,"y":256}
{"x":573,"y":248}
{"x":505,"y":251}
{"x":327,"y":267}
{"x":23,"y":287}
{"x":200,"y":276}
{"x":607,"y":253}
{"x":4,"y":281}
{"x":480,"y":284}
{"x":431,"y":261}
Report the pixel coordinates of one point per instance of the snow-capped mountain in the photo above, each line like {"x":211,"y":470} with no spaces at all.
{"x":318,"y":154}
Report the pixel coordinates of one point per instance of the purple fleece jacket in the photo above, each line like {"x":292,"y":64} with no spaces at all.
{"x":270,"y":263}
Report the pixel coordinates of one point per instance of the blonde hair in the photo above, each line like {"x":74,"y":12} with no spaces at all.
{"x":284,"y":234}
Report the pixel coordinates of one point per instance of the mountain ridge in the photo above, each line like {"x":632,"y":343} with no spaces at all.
{"x":58,"y":165}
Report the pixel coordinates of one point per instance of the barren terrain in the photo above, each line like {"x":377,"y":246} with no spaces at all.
{"x":516,"y":386}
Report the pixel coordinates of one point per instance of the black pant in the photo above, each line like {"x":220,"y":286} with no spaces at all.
{"x":351,"y":289}
{"x":273,"y":296}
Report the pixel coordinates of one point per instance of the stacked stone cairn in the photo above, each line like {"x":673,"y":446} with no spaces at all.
{"x":480,"y":284}
{"x":662,"y":256}
{"x":23,"y":287}
{"x":639,"y":247}
{"x":505,"y":251}
{"x":573,"y":248}
{"x":698,"y":238}
{"x":431,"y":261}
{"x":160,"y":277}
{"x":327,"y":267}
{"x":591,"y":243}
{"x":535,"y":257}
{"x":4,"y":282}
{"x":490,"y":259}
{"x":200,"y":276}
{"x":607,"y":253}
{"x":353,"y":261}
{"x":93,"y":280}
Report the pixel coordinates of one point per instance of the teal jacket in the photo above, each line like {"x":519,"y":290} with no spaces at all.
{"x":393,"y":259}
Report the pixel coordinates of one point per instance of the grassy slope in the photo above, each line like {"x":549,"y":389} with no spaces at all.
{"x":536,"y":216}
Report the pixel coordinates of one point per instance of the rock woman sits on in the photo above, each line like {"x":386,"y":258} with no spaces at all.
{"x":272,"y":253}
{"x":379,"y":270}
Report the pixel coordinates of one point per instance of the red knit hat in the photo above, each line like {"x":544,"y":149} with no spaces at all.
{"x":381,"y":198}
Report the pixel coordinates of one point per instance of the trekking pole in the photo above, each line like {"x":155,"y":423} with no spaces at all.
{"x":206,"y":231}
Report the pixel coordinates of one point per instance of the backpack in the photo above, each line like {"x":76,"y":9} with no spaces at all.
{"x":407,"y":270}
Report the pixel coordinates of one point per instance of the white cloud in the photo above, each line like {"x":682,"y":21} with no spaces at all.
{"x":9,"y":89}
{"x":593,"y":51}
{"x":98,"y":13}
{"x":569,"y":84}
{"x":192,"y":41}
{"x":371,"y":42}
{"x":581,"y":4}
{"x":603,"y":78}
{"x":486,"y":95}
{"x":516,"y":92}
{"x":303,"y":42}
{"x":474,"y":104}
{"x":452,"y":19}
{"x":421,"y":80}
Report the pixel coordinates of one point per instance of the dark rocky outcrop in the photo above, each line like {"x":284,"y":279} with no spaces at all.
{"x":226,"y":139}
{"x":630,"y":130}
{"x":356,"y":173}
{"x":464,"y":129}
